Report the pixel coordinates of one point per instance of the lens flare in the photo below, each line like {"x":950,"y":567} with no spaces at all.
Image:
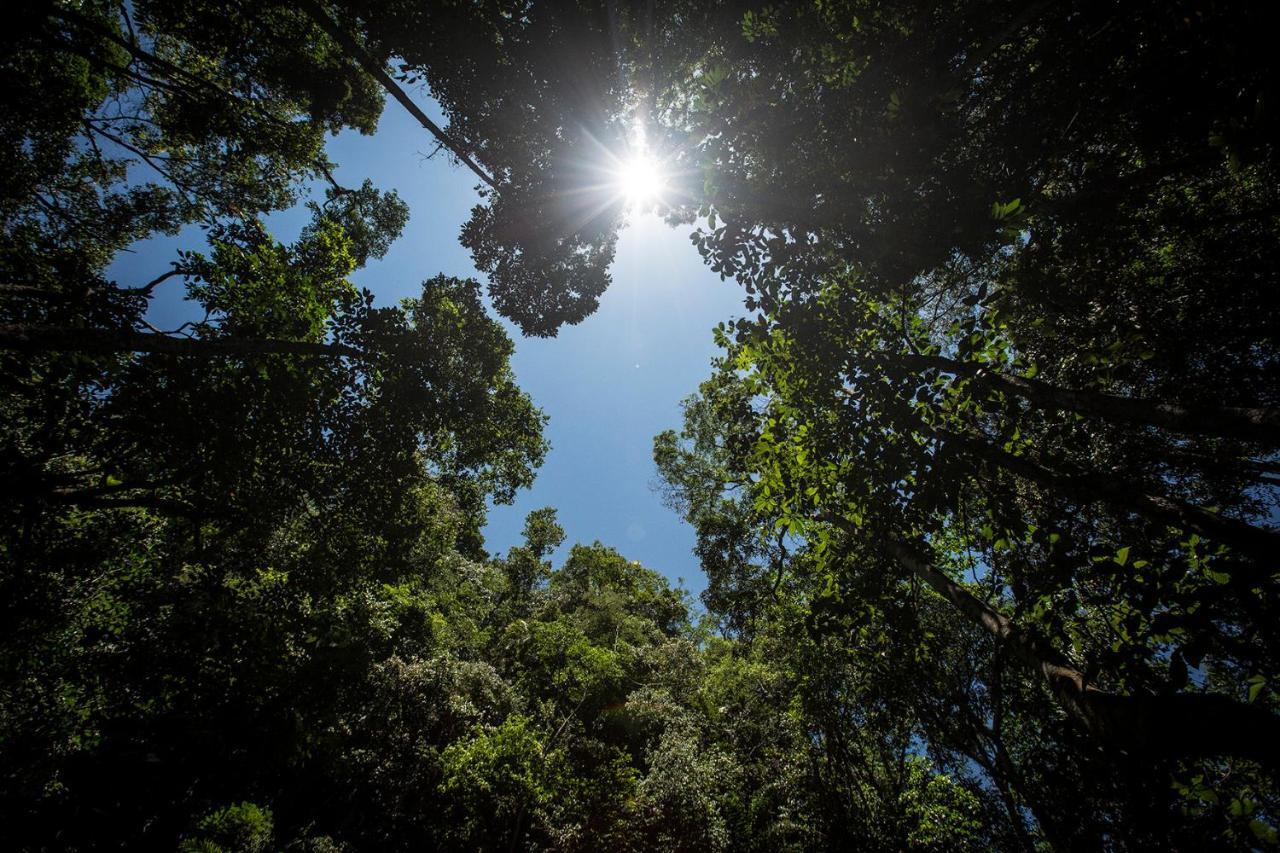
{"x":640,"y":180}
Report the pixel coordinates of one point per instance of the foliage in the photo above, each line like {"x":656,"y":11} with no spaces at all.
{"x":983,"y":482}
{"x":1009,"y":362}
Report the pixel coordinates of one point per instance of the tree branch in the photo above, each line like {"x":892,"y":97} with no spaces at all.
{"x":1249,"y":423}
{"x":45,"y":339}
{"x":1259,"y":542}
{"x":374,"y":68}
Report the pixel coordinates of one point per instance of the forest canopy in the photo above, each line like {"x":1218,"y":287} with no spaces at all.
{"x":983,"y":480}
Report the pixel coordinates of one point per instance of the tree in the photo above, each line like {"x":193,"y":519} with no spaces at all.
{"x":982,"y":484}
{"x":206,"y":556}
{"x":539,"y":100}
{"x":129,"y":122}
{"x":1009,"y":318}
{"x":231,"y":542}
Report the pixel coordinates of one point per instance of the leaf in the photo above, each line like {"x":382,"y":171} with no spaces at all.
{"x":1217,"y":577}
{"x":1262,"y":832}
{"x":1122,"y":556}
{"x":1256,"y":684}
{"x":1001,"y":212}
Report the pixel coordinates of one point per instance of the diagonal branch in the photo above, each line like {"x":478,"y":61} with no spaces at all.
{"x":1249,"y":423}
{"x":1259,"y":542}
{"x":374,"y":68}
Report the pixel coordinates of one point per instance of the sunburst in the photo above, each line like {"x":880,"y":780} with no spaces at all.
{"x":640,"y":180}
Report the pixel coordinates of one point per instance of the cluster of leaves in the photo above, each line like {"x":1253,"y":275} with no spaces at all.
{"x":1013,"y":356}
{"x":246,"y":604}
{"x":539,"y":94}
{"x":320,"y":679}
{"x":983,"y":484}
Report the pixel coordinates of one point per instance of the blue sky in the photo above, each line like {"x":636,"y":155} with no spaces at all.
{"x":613,"y":382}
{"x":608,"y":384}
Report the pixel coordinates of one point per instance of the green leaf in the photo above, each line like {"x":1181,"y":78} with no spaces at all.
{"x":1262,"y":832}
{"x":1000,"y":212}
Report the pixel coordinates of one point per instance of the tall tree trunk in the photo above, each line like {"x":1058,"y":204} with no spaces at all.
{"x":1249,"y":423}
{"x":1258,"y":542}
{"x":1180,"y":725}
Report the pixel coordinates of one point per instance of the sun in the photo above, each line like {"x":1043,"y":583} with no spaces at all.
{"x":640,"y":180}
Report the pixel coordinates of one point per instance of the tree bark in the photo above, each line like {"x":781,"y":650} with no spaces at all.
{"x":1248,"y":423}
{"x":1181,"y":725}
{"x":50,"y":339}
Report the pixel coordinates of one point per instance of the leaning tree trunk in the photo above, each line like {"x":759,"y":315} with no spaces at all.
{"x":1260,"y":543}
{"x":1182,"y":725}
{"x":1249,"y":423}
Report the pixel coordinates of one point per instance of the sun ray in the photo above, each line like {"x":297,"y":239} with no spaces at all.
{"x":640,"y":180}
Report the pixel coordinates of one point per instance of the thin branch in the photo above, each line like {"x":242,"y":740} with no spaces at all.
{"x":1260,"y":542}
{"x":145,"y":290}
{"x":46,"y":339}
{"x":338,"y":188}
{"x":375,"y":69}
